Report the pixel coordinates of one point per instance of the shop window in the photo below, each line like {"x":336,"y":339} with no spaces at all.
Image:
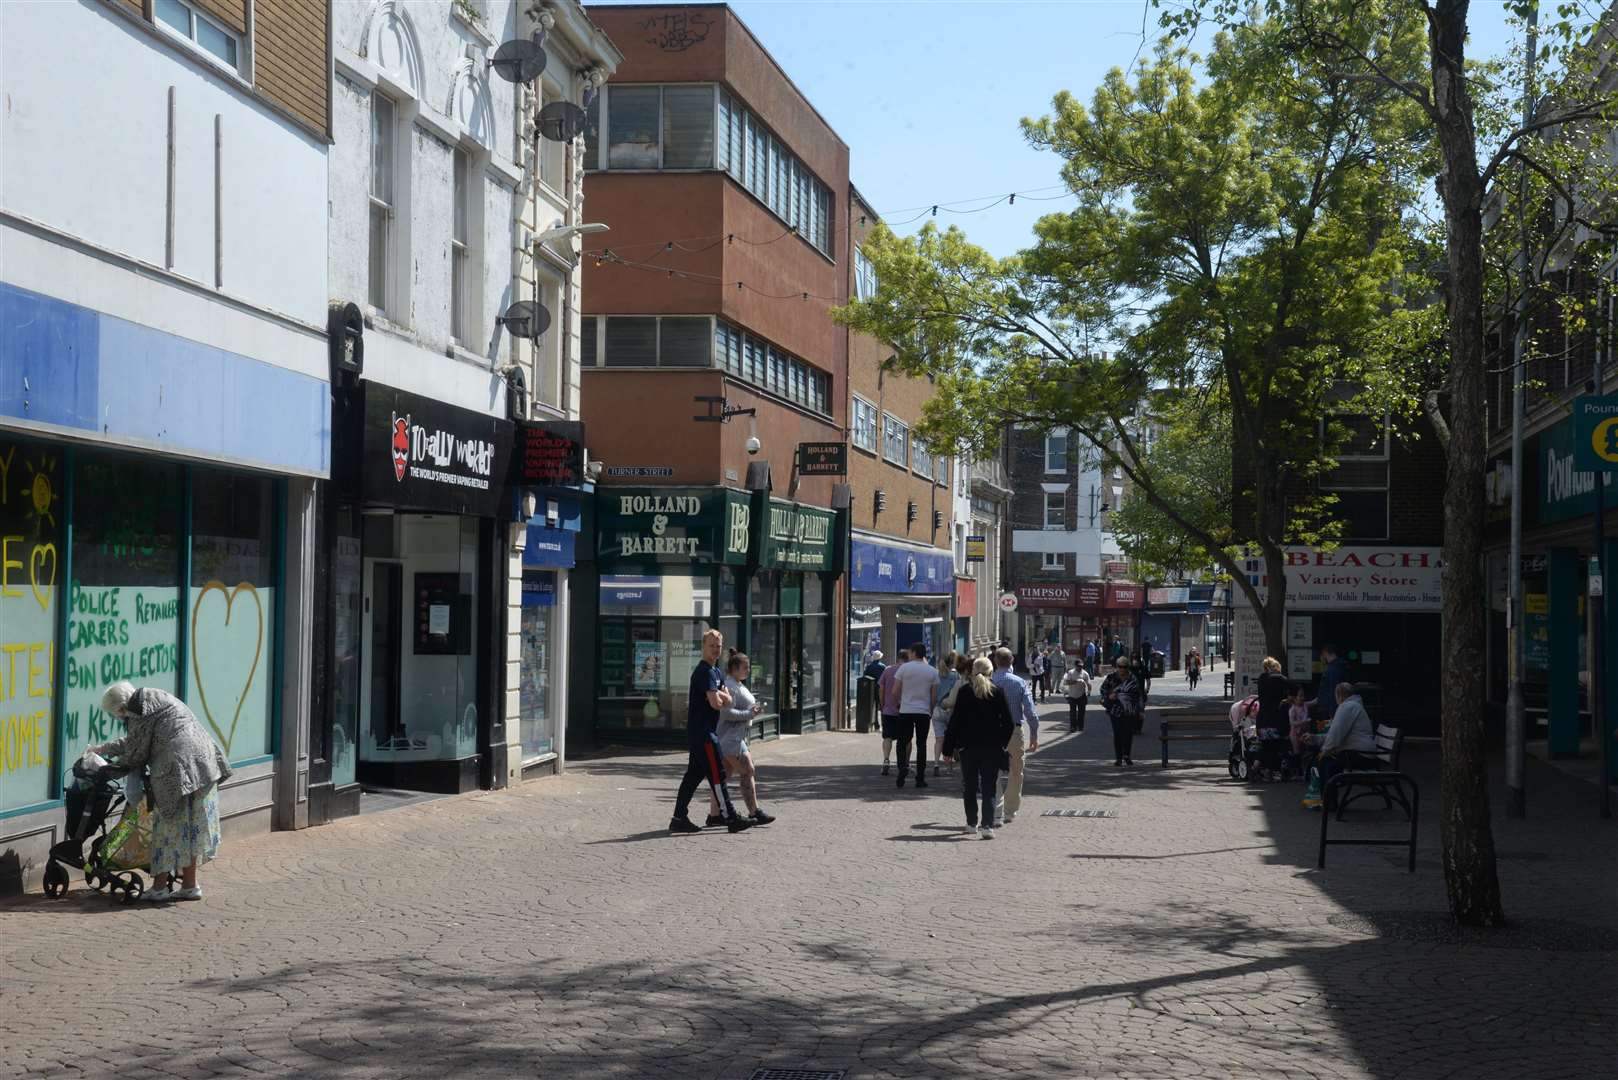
{"x":124,"y":614}
{"x":32,"y":518}
{"x":535,"y":701}
{"x":650,"y":641}
{"x":232,"y":616}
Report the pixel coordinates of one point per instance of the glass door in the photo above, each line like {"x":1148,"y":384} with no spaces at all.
{"x":384,"y":630}
{"x":791,"y":675}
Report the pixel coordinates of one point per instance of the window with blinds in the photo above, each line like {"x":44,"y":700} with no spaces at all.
{"x":762,"y":164}
{"x":631,"y":341}
{"x":688,"y":127}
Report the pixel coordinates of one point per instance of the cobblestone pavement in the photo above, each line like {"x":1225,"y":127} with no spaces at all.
{"x":556,"y":930}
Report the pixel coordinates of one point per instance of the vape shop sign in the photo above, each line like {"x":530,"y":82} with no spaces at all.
{"x":421,"y":454}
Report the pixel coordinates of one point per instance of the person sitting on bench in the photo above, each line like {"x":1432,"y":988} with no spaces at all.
{"x":1350,"y":742}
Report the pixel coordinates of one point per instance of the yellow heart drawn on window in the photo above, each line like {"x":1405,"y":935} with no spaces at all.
{"x":42,"y":554}
{"x":197,"y":648}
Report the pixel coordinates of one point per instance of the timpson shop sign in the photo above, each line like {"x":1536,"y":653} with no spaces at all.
{"x":673,"y":525}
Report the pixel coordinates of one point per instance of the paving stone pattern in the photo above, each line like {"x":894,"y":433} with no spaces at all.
{"x":556,"y":930}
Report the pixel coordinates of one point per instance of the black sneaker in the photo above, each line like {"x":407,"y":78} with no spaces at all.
{"x":901,"y":778}
{"x":738,"y":823}
{"x":937,"y":770}
{"x":761,"y":818}
{"x":921,"y":778}
{"x":885,"y":770}
{"x":683,"y":824}
{"x":715,"y":819}
{"x":1129,"y":763}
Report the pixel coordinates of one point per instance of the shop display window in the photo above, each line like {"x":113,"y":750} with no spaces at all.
{"x":32,"y":515}
{"x":535,"y":701}
{"x":419,"y":655}
{"x":124,"y":602}
{"x":650,"y":640}
{"x":232,"y":617}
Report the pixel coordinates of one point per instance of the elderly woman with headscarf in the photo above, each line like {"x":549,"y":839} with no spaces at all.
{"x":185,"y":765}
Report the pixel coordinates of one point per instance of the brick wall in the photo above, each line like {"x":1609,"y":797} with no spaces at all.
{"x":290,"y":55}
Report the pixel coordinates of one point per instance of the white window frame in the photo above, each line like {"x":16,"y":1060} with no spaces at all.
{"x":603,"y":162}
{"x":1386,"y":440}
{"x":864,"y":276}
{"x":866,"y":410}
{"x":921,"y":460}
{"x":1052,"y":560}
{"x":551,"y":154}
{"x":195,"y":15}
{"x":893,"y":423}
{"x":1060,"y":508}
{"x":381,"y":294}
{"x":1061,"y":466}
{"x":461,"y":328}
{"x":546,"y":386}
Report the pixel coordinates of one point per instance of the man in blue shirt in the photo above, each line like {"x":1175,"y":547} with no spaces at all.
{"x":1026,"y":736}
{"x":707,"y":696}
{"x":1333,"y":673}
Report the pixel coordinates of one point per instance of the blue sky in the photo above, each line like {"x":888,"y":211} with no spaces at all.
{"x":928,"y":95}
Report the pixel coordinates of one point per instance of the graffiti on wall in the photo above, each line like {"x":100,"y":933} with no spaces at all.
{"x":227,"y":646}
{"x":677,"y":31}
{"x":30,"y":523}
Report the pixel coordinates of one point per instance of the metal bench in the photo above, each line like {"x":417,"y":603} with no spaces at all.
{"x":1390,"y":743}
{"x":1382,"y":780}
{"x":1192,"y":731}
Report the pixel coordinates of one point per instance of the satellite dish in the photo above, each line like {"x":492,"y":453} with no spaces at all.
{"x":526,"y":319}
{"x":519,"y":60}
{"x":562,"y":121}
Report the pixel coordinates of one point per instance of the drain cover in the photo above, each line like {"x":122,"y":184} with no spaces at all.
{"x":798,"y":1074}
{"x":1080,"y":813}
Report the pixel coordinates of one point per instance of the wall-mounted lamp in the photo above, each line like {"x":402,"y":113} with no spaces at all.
{"x":910,"y":512}
{"x":880,"y":501}
{"x":938,"y":520}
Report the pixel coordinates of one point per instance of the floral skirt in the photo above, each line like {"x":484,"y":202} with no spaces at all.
{"x":191,"y":835}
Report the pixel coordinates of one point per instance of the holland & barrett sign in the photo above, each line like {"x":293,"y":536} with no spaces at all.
{"x":672,"y":526}
{"x":798,"y":537}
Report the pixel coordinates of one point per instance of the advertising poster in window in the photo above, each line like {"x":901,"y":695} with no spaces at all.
{"x":30,"y":570}
{"x":651,"y":665}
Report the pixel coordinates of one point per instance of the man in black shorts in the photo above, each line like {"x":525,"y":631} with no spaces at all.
{"x":708,"y":696}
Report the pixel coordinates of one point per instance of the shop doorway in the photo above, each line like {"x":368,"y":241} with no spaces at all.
{"x":381,"y":653}
{"x":791,"y":676}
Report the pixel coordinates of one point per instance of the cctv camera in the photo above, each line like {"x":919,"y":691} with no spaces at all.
{"x":593,"y":470}
{"x":753,"y":445}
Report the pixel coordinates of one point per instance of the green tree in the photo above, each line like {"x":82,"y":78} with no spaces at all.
{"x":1237,"y":236}
{"x":1189,"y":451}
{"x":1471,"y":145}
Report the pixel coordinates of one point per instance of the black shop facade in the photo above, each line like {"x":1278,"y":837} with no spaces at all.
{"x":409,"y":650}
{"x":667,"y":564}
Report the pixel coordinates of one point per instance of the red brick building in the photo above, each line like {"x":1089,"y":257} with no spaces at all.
{"x":726,"y":196}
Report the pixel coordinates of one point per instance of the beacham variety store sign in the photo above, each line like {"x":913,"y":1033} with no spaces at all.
{"x":1381,"y":579}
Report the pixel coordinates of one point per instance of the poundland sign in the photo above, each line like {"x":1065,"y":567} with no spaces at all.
{"x":1565,"y":490}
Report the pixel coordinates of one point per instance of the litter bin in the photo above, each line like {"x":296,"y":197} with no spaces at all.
{"x":864,"y":703}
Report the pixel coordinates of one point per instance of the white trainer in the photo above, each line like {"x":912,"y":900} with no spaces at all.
{"x":986,"y":833}
{"x":193,"y":893}
{"x":159,"y":895}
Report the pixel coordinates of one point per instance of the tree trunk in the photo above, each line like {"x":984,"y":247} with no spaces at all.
{"x":1275,"y":607}
{"x":1468,"y":841}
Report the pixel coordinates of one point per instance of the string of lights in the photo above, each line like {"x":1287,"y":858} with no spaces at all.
{"x":713,"y":240}
{"x":610,"y":256}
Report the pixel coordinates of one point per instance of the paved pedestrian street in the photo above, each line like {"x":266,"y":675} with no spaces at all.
{"x":557,"y":930}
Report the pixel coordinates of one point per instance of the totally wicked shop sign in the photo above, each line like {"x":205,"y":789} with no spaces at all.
{"x":1379,"y":579}
{"x":421,"y":454}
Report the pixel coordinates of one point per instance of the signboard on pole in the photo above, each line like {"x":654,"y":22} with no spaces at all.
{"x":1008,"y":601}
{"x":977,"y":549}
{"x":1595,"y":433}
{"x":823,"y":459}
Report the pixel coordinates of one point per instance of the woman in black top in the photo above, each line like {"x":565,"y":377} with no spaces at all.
{"x":979,"y":729}
{"x":1125,"y":702}
{"x":1272,"y":693}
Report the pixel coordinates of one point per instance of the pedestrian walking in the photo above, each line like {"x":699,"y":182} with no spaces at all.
{"x":1090,"y":655}
{"x":874,"y":669}
{"x":706,"y":696}
{"x":1056,"y":665}
{"x":1126,"y":706}
{"x":1141,"y":667}
{"x":918,"y":693}
{"x":1272,"y":692}
{"x":980,"y":728}
{"x":1024,"y":740}
{"x":1037,"y":668}
{"x":1076,"y":686}
{"x":1193,"y":668}
{"x":735,"y":721}
{"x":956,"y":669}
{"x":887,"y":692}
{"x":186,"y":766}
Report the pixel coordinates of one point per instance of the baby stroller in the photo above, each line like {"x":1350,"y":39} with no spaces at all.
{"x":121,"y":845}
{"x":1257,"y":754}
